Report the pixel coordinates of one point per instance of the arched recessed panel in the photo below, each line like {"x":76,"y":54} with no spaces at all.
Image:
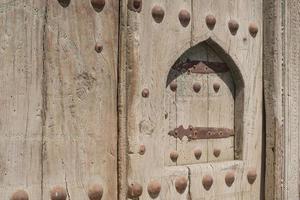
{"x":201,"y":92}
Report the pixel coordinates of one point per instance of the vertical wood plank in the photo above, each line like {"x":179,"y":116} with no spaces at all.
{"x":21,"y":55}
{"x":80,"y":139}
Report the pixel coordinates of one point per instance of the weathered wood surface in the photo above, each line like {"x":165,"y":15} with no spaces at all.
{"x":80,"y":136}
{"x":152,"y":48}
{"x":58,"y":98}
{"x":21,"y":101}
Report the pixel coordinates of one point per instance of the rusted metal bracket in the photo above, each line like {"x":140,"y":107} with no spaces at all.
{"x":202,"y":67}
{"x":196,"y":133}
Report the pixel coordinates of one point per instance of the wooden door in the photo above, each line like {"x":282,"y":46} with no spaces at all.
{"x":194,"y":99}
{"x":59,"y":99}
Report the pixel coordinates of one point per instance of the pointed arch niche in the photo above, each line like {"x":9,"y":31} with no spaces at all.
{"x":205,"y":98}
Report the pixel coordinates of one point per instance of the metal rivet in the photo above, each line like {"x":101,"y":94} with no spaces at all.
{"x":64,"y":3}
{"x":98,"y":5}
{"x":197,"y":153}
{"x":174,"y":156}
{"x":137,"y":4}
{"x":217,"y":152}
{"x":197,"y":87}
{"x":216,"y":87}
{"x":95,"y":192}
{"x":207,"y":182}
{"x":233,"y":26}
{"x":210,"y":21}
{"x":142,"y":149}
{"x":145,"y":93}
{"x":181,"y":184}
{"x":98,"y":48}
{"x":184,"y":18}
{"x":229,"y":178}
{"x":251,"y":176}
{"x":20,"y":195}
{"x":154,"y":188}
{"x":158,"y":14}
{"x":173,"y":86}
{"x":253,"y":29}
{"x":134,"y":190}
{"x":58,"y":193}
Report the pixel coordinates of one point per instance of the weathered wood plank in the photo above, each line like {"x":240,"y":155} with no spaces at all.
{"x":80,"y":139}
{"x":21,"y":115}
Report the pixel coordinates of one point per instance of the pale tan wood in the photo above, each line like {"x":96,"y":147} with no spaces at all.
{"x":80,"y":138}
{"x":21,"y":101}
{"x":148,"y":67}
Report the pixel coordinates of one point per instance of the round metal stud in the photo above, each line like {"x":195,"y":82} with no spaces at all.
{"x":229,"y":178}
{"x":98,"y":5}
{"x":253,"y":29}
{"x":184,"y":17}
{"x":181,"y":184}
{"x":98,"y":48}
{"x":173,"y":86}
{"x":134,"y":190}
{"x":158,"y":13}
{"x":216,"y":87}
{"x":137,"y":4}
{"x":197,"y":153}
{"x":64,"y":3}
{"x":20,"y":195}
{"x":217,"y":152}
{"x":154,"y":188}
{"x":210,"y":21}
{"x":95,"y":192}
{"x":145,"y":93}
{"x":197,"y":87}
{"x":251,"y":176}
{"x":142,"y":149}
{"x":174,"y":156}
{"x":207,"y":182}
{"x":58,"y":193}
{"x":233,"y":26}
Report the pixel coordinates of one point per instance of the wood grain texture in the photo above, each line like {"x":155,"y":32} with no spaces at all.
{"x":80,"y":136}
{"x":152,"y":48}
{"x":21,"y":71}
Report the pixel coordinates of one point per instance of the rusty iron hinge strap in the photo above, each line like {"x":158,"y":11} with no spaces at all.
{"x":202,"y":67}
{"x":195,"y":133}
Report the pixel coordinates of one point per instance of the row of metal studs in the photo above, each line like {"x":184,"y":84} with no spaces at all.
{"x":184,"y":17}
{"x":196,"y":87}
{"x":59,"y":193}
{"x":135,"y":190}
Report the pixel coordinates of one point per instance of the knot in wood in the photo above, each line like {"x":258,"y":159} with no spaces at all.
{"x":233,"y":26}
{"x":207,"y":182}
{"x":134,"y":190}
{"x":210,"y":21}
{"x":20,"y":195}
{"x":184,"y":17}
{"x":251,"y":175}
{"x":95,"y":192}
{"x":158,"y":13}
{"x":58,"y":193}
{"x":181,"y":184}
{"x":229,"y":178}
{"x":154,"y":188}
